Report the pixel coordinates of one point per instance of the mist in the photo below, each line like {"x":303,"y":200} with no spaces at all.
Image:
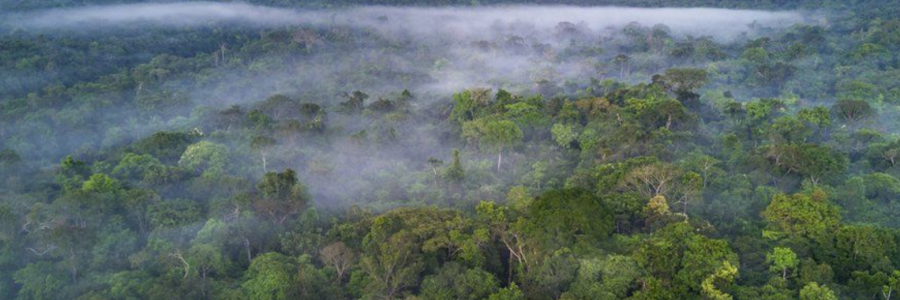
{"x":456,"y":22}
{"x":434,"y":52}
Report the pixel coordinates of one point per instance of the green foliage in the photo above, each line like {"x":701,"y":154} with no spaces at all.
{"x":454,"y":281}
{"x":205,"y":157}
{"x":564,"y":135}
{"x":723,"y":276}
{"x":40,"y":281}
{"x":134,"y":166}
{"x":685,"y":80}
{"x":782,"y":260}
{"x":560,"y":218}
{"x":508,"y":293}
{"x":171,"y":214}
{"x":100,"y":184}
{"x":282,"y":196}
{"x":166,"y":146}
{"x":270,"y":277}
{"x":814,"y":291}
{"x":802,"y":215}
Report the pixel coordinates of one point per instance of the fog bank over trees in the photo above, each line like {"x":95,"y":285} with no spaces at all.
{"x":459,"y":21}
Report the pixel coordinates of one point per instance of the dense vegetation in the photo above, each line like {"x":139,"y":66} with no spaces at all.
{"x":330,"y":162}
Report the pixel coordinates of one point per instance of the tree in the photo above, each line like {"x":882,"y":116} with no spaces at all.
{"x":493,"y":134}
{"x":167,"y":146}
{"x":270,"y":277}
{"x":813,"y":291}
{"x":279,"y":107}
{"x":134,"y":166}
{"x":852,"y":111}
{"x":861,"y":247}
{"x":657,"y":206}
{"x":173,"y":213}
{"x":282,"y":196}
{"x":101,"y":184}
{"x":527,"y":116}
{"x":789,"y":129}
{"x":782,"y":260}
{"x":683,"y":80}
{"x":758,"y":113}
{"x":391,"y":267}
{"x":706,"y":264}
{"x":519,"y":198}
{"x":723,"y":276}
{"x":206,"y":259}
{"x":435,"y":163}
{"x":454,"y":281}
{"x":72,"y":173}
{"x":657,"y":213}
{"x":261,"y":121}
{"x":465,"y":107}
{"x":607,"y":278}
{"x":455,"y":171}
{"x":503,"y":228}
{"x":355,"y":102}
{"x":651,"y":179}
{"x":400,"y":242}
{"x":705,"y":165}
{"x":560,"y":218}
{"x":688,"y":190}
{"x":816,"y":117}
{"x":512,"y":292}
{"x":802,"y":215}
{"x":622,"y":61}
{"x":262,"y":144}
{"x":818,"y":163}
{"x":892,"y":285}
{"x":883,"y":188}
{"x":39,"y":281}
{"x":339,"y":257}
{"x":230,"y":117}
{"x":205,"y":157}
{"x":683,"y":259}
{"x":668,"y":114}
{"x":564,"y":135}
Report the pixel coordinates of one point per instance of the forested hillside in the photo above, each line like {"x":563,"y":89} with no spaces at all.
{"x":234,"y":151}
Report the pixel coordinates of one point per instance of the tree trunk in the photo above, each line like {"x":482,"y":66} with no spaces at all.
{"x":247,"y":246}
{"x":434,"y":170}
{"x":265,"y":169}
{"x":499,"y":159}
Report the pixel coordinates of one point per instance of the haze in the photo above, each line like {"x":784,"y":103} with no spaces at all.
{"x":469,"y":21}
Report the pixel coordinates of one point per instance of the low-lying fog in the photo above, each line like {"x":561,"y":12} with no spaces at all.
{"x":431,"y":51}
{"x":458,"y":22}
{"x":485,"y":46}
